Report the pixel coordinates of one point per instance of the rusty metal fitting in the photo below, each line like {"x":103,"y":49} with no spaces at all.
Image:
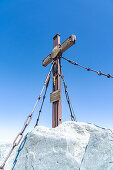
{"x":17,"y":139}
{"x":99,"y":73}
{"x":23,"y":129}
{"x":88,"y":69}
{"x":39,"y":97}
{"x":75,"y":63}
{"x":28,"y":120}
{"x":108,"y":76}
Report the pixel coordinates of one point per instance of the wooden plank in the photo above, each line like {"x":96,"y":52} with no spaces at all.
{"x":55,"y":96}
{"x":55,"y":51}
{"x":50,"y":57}
{"x":68,"y":43}
{"x":47,"y":60}
{"x":59,"y":49}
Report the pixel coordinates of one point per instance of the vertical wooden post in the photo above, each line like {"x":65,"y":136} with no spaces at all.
{"x":56,"y":107}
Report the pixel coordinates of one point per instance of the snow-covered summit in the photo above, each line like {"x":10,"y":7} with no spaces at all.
{"x":70,"y":146}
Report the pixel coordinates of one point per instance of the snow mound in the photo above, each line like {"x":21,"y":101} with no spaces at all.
{"x":4,"y":150}
{"x":70,"y":146}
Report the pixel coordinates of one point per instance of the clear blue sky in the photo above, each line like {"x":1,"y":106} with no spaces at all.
{"x":27,"y":28}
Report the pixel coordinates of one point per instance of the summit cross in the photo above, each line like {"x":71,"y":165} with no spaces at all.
{"x":55,"y":57}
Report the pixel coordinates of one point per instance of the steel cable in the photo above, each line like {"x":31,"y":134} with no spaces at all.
{"x":27,"y":122}
{"x":73,"y":117}
{"x":87,"y":68}
{"x":42,"y":103}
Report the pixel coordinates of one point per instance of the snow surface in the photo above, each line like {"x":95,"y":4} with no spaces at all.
{"x":70,"y":146}
{"x":4,"y":150}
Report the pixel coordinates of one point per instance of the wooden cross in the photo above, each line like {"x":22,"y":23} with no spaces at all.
{"x":55,"y":55}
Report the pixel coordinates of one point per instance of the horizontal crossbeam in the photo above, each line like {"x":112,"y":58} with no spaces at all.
{"x":59,"y":49}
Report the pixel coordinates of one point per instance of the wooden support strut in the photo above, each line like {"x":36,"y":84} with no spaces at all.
{"x":56,"y":106}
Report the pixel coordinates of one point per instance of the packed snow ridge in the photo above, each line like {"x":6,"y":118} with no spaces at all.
{"x":70,"y":146}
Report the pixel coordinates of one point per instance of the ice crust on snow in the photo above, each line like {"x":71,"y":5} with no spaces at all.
{"x":70,"y":146}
